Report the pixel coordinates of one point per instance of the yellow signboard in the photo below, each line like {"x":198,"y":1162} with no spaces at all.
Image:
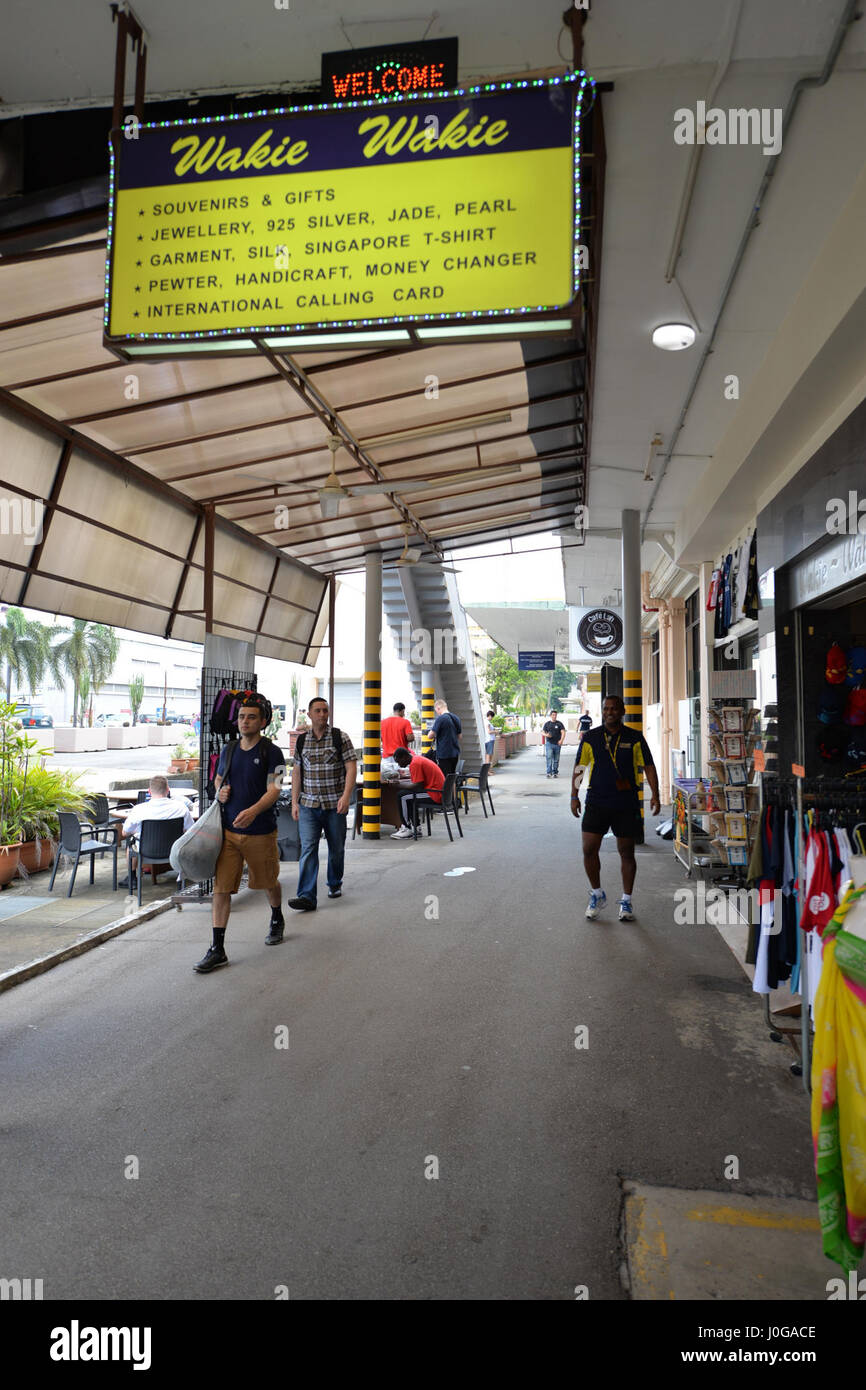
{"x":427,"y":211}
{"x":593,"y":683}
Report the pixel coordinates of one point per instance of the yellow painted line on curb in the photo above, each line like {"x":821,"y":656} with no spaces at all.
{"x":648,"y":1252}
{"x":730,"y":1216}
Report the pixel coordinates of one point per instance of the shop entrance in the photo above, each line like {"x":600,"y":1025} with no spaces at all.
{"x":831,"y":648}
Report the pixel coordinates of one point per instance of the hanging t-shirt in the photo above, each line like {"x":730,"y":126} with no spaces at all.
{"x":713,"y":594}
{"x":752,"y":595}
{"x":820,"y":903}
{"x":738,"y":608}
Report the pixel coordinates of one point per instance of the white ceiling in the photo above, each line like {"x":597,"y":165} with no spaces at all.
{"x":662,"y":57}
{"x":208,"y":45}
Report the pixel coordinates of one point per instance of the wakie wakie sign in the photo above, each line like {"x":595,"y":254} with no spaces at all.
{"x":460,"y":210}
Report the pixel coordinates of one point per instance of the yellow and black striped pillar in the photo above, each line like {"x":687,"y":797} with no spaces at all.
{"x":372,"y":800}
{"x":372,"y":754}
{"x":632,"y":694}
{"x":632,"y":678}
{"x":428,"y":714}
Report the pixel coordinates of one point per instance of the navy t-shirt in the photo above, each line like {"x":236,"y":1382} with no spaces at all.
{"x":248,"y":780}
{"x":609,"y":757}
{"x":446,"y":727}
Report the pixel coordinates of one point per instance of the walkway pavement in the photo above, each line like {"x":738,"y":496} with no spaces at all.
{"x":36,"y":924}
{"x":441,"y":1086}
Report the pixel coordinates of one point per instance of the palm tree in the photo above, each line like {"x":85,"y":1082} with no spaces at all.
{"x":89,"y":648}
{"x":136,"y":695}
{"x":84,"y":694}
{"x":25,"y":647}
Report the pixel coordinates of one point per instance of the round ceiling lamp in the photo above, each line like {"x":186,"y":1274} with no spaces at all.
{"x":673,"y":337}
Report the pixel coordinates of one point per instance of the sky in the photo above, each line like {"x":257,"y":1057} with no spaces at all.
{"x":532,"y":573}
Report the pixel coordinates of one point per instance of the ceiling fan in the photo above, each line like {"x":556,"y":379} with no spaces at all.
{"x":332,"y":490}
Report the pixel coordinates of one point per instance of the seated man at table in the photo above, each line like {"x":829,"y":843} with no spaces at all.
{"x":161,"y":806}
{"x":423,"y":773}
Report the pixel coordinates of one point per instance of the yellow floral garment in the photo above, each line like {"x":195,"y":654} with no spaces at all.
{"x":839,"y":1090}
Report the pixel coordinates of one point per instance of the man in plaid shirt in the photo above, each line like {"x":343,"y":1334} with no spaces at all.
{"x":323,"y":780}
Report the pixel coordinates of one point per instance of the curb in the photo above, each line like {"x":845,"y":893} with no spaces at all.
{"x":19,"y":973}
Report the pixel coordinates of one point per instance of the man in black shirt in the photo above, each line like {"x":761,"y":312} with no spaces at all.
{"x":553,"y":737}
{"x":613,"y":756}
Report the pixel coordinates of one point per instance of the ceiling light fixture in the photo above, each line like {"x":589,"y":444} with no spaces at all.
{"x":655,"y":443}
{"x":673,"y":337}
{"x":472,"y":422}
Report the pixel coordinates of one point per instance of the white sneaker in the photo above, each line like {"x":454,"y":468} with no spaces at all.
{"x":626,"y":911}
{"x":404,"y":833}
{"x":597,"y":900}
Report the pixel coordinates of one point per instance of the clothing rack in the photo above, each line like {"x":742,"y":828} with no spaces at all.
{"x":818,"y":794}
{"x":213,"y":680}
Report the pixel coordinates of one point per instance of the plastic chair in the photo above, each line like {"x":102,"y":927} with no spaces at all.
{"x":477,"y":782}
{"x":288,"y":833}
{"x":73,"y":842}
{"x":153,"y":846}
{"x":448,"y":803}
{"x":357,"y":802}
{"x":99,"y":821}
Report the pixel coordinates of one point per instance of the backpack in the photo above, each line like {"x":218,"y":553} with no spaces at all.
{"x":337,"y":740}
{"x":224,"y":715}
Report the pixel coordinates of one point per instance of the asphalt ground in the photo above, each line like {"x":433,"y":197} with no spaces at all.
{"x":472,"y":1072}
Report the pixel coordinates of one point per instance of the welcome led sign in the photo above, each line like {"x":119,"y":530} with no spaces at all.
{"x":427,"y":218}
{"x":430,"y":65}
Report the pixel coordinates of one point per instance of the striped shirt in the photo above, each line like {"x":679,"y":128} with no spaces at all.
{"x":324,"y":774}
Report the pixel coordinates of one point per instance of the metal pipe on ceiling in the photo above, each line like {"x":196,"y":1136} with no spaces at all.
{"x":846,"y":18}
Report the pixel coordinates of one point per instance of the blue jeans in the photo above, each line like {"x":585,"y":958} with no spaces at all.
{"x":551,"y":753}
{"x":312,"y":821}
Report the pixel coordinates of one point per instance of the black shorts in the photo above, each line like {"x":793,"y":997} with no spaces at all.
{"x":625,"y":821}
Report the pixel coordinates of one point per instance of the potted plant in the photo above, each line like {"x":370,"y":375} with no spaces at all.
{"x":15,"y":748}
{"x":44,"y":792}
{"x":301,"y":725}
{"x":179,"y":758}
{"x":191,"y":751}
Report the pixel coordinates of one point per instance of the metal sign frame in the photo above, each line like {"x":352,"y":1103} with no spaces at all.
{"x":510,"y":321}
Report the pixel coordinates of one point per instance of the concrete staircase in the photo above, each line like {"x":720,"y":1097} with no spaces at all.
{"x":427,"y":622}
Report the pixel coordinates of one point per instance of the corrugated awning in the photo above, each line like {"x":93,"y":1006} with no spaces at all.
{"x":451,"y":444}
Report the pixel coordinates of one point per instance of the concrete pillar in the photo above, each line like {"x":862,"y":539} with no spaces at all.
{"x":372,"y":806}
{"x":672,"y":666}
{"x":632,"y":685}
{"x":707,"y":652}
{"x":428,"y":714}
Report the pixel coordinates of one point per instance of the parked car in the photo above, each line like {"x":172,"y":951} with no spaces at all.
{"x":104,"y":720}
{"x":35,"y":717}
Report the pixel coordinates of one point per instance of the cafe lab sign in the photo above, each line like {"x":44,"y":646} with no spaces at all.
{"x":434,"y":209}
{"x":833,"y":566}
{"x":595,"y":632}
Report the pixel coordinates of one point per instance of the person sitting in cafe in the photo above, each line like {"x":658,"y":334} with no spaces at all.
{"x":397,"y":732}
{"x":161,"y":806}
{"x":427,"y":777}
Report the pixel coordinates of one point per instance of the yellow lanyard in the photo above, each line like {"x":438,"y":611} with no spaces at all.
{"x":612,"y":755}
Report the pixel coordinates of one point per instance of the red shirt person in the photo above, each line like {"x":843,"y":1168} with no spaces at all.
{"x":396,"y":732}
{"x":422,"y":772}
